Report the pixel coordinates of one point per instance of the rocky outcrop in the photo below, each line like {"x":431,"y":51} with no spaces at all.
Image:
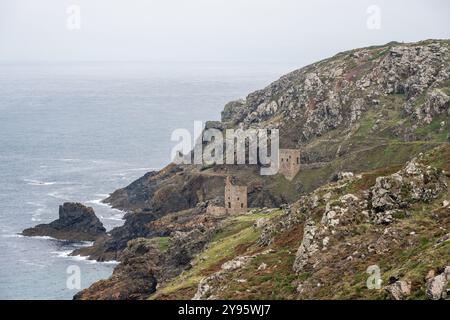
{"x":307,"y":248}
{"x":210,"y":286}
{"x":143,"y":265}
{"x":415,"y":182}
{"x":337,"y":91}
{"x":437,"y":286}
{"x":134,"y":227}
{"x":437,"y":103}
{"x":381,"y":204}
{"x":133,"y":278}
{"x":76,"y":223}
{"x":185,"y":245}
{"x":412,"y":69}
{"x":399,"y":290}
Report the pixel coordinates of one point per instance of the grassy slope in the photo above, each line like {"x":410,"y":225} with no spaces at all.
{"x":236,"y":236}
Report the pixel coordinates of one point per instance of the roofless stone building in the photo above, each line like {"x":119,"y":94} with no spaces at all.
{"x":235,"y":198}
{"x":289,"y":163}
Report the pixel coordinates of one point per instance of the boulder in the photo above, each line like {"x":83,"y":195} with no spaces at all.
{"x":399,"y":290}
{"x":437,"y":285}
{"x":236,"y":263}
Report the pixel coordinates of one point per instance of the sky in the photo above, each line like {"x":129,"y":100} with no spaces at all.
{"x":210,"y":30}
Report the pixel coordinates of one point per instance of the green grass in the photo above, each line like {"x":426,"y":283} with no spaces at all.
{"x":162,"y":243}
{"x":380,"y":53}
{"x":236,"y":232}
{"x":434,"y":131}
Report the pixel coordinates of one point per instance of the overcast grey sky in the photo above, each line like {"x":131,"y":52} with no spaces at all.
{"x":211,"y":30}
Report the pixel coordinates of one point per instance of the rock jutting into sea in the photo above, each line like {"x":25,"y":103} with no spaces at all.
{"x":76,"y":222}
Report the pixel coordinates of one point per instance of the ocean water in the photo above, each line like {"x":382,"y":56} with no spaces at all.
{"x":77,"y":132}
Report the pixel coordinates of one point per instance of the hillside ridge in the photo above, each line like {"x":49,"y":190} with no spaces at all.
{"x":361,"y":113}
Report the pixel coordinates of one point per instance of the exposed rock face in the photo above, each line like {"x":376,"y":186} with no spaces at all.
{"x":210,"y":286}
{"x":436,"y":103}
{"x":307,"y":248}
{"x":185,"y":245}
{"x":108,"y":247}
{"x":414,"y":183}
{"x":76,"y":222}
{"x":133,"y":278}
{"x":397,"y":191}
{"x":321,"y":97}
{"x":399,"y":290}
{"x":235,"y":264}
{"x":411,"y":70}
{"x":318,"y":236}
{"x":169,"y":190}
{"x":143,"y":265}
{"x":437,"y":286}
{"x":205,"y":287}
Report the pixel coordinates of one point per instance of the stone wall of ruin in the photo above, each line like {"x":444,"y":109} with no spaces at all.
{"x":289,"y":163}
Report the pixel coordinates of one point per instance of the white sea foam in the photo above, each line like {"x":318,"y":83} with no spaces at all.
{"x":33,"y":182}
{"x":85,"y":243}
{"x":62,"y":254}
{"x":31,"y":263}
{"x":67,"y":255}
{"x":15,"y":235}
{"x":117,"y":217}
{"x":38,"y":212}
{"x":120,"y":174}
{"x":117,"y":214}
{"x":98,"y":202}
{"x":86,"y":259}
{"x":58,"y":195}
{"x":37,"y":204}
{"x":110,"y":262}
{"x":44,"y":238}
{"x":67,"y":160}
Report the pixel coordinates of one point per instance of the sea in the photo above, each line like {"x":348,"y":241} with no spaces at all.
{"x":77,"y":131}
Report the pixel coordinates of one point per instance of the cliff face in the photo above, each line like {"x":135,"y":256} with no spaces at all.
{"x":336,"y":92}
{"x":365,"y":110}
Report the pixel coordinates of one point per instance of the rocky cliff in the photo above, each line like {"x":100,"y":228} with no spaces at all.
{"x":358,"y":118}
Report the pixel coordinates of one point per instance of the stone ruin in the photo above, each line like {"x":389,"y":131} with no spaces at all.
{"x":235,"y":200}
{"x":289,"y":163}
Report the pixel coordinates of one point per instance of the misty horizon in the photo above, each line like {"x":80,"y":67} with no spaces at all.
{"x":209,"y":31}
